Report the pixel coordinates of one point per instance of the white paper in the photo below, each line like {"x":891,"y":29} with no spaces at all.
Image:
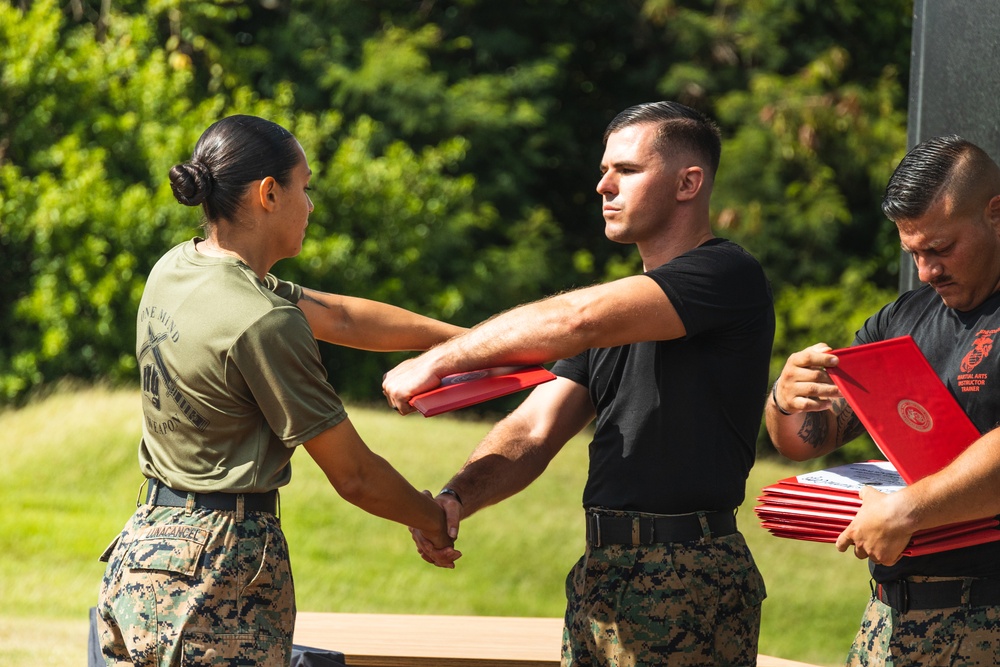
{"x":852,"y":476}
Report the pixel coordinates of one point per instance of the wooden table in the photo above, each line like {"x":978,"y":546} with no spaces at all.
{"x":402,"y":640}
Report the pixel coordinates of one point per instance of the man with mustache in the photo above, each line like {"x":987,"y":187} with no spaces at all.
{"x":944,"y":608}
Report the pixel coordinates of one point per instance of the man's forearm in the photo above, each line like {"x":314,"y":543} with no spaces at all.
{"x":503,"y":464}
{"x":966,"y":489}
{"x":801,"y":436}
{"x":531,"y":334}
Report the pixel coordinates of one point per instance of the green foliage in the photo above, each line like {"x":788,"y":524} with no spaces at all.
{"x":833,"y":313}
{"x":814,"y":155}
{"x":87,"y":210}
{"x":455,"y":147}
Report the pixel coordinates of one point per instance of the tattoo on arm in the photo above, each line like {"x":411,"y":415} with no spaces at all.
{"x":311,"y":299}
{"x":814,"y":429}
{"x":848,"y":425}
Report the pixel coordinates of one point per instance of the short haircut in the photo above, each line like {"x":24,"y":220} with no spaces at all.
{"x":946,"y":164}
{"x":679,"y":126}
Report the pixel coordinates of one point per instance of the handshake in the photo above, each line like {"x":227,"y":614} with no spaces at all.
{"x":438,"y":549}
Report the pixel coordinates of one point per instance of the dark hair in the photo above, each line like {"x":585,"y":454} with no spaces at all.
{"x":678,"y":125}
{"x":931,"y":168}
{"x":230,"y":154}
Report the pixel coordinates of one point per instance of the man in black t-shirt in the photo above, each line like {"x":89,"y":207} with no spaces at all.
{"x":939,"y":609}
{"x":673,"y":364}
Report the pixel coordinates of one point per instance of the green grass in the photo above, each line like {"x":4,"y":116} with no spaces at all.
{"x":69,"y":480}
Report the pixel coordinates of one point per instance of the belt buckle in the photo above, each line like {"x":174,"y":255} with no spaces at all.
{"x":596,"y":533}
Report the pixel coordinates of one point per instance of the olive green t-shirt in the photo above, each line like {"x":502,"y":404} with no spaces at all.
{"x":232,"y":379}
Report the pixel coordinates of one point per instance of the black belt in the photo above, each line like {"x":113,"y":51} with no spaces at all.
{"x":903,"y":595}
{"x":162,"y":495}
{"x":637,"y":529}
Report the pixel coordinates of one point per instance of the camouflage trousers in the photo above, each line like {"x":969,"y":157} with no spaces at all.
{"x":197,"y":588}
{"x":684,"y":604}
{"x":956,"y":637}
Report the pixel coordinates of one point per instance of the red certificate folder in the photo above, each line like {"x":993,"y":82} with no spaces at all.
{"x":818,"y":506}
{"x":909,"y":413}
{"x":916,"y":423}
{"x":464,"y":389}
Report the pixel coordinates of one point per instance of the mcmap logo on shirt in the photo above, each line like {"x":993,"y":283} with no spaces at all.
{"x":155,"y":373}
{"x":981,"y":348}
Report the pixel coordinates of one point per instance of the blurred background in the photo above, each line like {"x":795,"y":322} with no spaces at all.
{"x":455,"y":147}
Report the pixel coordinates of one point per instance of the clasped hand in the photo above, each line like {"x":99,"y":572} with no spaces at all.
{"x":447,"y":555}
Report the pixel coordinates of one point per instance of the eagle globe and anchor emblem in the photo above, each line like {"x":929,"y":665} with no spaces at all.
{"x":915,"y":415}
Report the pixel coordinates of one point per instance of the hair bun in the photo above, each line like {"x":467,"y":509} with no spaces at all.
{"x":191,"y":182}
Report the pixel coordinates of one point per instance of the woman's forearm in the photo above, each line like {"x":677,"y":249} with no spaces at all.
{"x":371,"y":325}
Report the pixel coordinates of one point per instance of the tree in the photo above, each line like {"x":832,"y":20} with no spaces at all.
{"x":455,"y":146}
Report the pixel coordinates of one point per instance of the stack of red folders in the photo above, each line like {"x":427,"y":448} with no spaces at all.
{"x":917,"y":425}
{"x":818,"y":506}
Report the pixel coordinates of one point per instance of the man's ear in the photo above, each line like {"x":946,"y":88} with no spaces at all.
{"x":267,"y":193}
{"x":993,"y":212}
{"x":690,"y":180}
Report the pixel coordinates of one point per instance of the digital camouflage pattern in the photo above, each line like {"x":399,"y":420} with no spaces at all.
{"x":199,"y":588}
{"x":686,"y":604}
{"x":954,"y":637}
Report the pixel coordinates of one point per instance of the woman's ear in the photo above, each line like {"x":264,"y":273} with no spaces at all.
{"x":267,"y":193}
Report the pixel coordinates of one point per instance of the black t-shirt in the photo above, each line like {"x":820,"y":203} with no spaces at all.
{"x":959,"y":347}
{"x":677,"y":420}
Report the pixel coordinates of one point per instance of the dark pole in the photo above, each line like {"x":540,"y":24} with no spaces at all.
{"x":954,"y":80}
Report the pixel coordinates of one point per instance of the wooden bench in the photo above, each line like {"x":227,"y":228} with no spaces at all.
{"x":403,"y":640}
